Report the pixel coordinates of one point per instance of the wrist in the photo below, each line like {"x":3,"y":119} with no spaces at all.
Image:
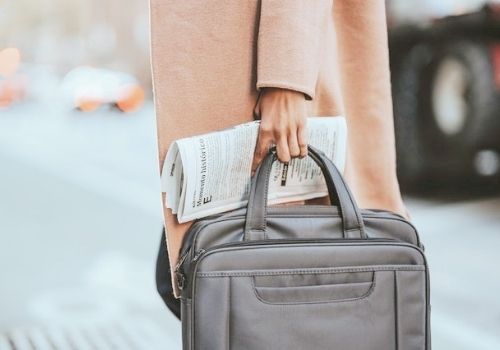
{"x":270,"y":90}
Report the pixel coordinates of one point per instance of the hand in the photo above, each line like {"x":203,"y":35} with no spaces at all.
{"x":283,"y":116}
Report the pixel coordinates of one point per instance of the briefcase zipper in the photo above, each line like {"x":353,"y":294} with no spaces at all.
{"x":202,"y":252}
{"x":181,"y":277}
{"x":198,"y":225}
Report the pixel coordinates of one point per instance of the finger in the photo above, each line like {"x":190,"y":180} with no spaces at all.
{"x":282,"y":148}
{"x":293,"y":143}
{"x":264,"y":142}
{"x":302,"y":138}
{"x":260,"y":152}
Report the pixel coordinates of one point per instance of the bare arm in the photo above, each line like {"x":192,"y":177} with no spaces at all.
{"x":365,"y":77}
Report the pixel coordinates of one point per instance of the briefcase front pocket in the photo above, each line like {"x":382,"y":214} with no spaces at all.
{"x":344,"y":308}
{"x":296,"y":288}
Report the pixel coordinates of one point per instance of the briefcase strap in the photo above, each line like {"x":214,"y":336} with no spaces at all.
{"x":255,"y":225}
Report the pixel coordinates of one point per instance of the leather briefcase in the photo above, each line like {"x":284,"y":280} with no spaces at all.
{"x":304,"y":277}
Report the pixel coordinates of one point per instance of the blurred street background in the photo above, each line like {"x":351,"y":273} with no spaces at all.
{"x":80,"y":210}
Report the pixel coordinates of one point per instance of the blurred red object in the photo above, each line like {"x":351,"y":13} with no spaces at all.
{"x":131,"y":98}
{"x":12,"y":85}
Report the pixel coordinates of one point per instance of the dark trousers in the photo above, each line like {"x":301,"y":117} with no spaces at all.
{"x":163,"y":280}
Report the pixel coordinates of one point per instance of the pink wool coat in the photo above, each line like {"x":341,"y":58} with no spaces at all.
{"x":211,"y":57}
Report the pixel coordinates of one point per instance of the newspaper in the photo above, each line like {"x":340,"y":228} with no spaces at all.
{"x":211,"y":173}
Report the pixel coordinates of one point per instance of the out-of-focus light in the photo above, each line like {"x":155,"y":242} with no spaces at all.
{"x":13,"y":85}
{"x":6,"y":96}
{"x":87,"y":105}
{"x":448,"y":96}
{"x":131,"y":99}
{"x":487,"y":162}
{"x":9,"y":61}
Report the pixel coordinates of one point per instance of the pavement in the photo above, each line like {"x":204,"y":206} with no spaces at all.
{"x":80,"y":221}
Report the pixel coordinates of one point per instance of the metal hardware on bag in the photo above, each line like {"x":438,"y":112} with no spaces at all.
{"x":181,"y":280}
{"x":272,"y":150}
{"x":180,"y":262}
{"x":180,"y":276}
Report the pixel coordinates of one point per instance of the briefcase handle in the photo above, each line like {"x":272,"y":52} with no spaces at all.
{"x":255,"y":225}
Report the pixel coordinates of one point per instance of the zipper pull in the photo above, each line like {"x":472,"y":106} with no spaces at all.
{"x":179,"y":275}
{"x":180,"y":262}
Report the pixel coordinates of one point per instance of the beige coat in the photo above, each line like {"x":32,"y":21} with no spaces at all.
{"x":211,"y":57}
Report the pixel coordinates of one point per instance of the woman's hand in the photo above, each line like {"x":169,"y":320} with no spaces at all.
{"x":283,"y":116}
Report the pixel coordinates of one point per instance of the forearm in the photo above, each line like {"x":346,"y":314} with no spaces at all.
{"x":365,"y":77}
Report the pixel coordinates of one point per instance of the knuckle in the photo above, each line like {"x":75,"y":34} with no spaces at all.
{"x":280,"y":130}
{"x":265,"y":128}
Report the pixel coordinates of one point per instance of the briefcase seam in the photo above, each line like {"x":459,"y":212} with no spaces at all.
{"x":309,"y":271}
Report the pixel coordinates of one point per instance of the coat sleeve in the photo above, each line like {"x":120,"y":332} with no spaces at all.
{"x":288,"y":43}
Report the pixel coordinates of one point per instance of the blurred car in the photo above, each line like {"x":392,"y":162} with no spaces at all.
{"x":88,"y":88}
{"x":446,"y":92}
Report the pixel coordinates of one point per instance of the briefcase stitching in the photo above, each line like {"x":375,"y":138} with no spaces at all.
{"x":243,"y":273}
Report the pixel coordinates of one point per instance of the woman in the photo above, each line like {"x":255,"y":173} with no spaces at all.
{"x":220,"y":63}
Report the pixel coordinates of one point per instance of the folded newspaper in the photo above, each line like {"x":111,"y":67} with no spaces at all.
{"x":211,"y":173}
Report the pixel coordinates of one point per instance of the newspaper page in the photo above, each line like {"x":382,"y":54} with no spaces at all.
{"x":211,"y":173}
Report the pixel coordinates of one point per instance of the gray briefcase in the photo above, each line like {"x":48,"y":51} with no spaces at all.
{"x":304,"y":277}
